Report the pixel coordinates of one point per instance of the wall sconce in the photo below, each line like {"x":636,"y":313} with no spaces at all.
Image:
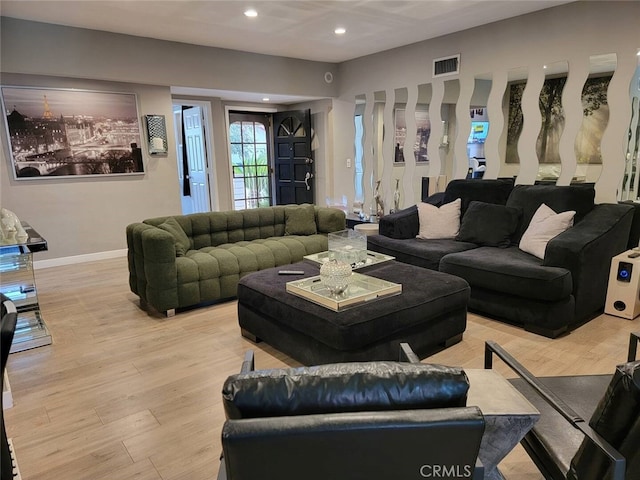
{"x":156,"y":134}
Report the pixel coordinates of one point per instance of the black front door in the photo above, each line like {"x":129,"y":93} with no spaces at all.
{"x":294,"y":172}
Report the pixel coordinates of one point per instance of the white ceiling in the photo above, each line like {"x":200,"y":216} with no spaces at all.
{"x":298,"y":29}
{"x":301,"y":29}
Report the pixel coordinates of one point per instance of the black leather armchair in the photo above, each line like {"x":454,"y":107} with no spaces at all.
{"x":8,"y":327}
{"x":564,"y":445}
{"x":369,"y":420}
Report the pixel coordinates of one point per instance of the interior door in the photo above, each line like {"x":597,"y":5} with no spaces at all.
{"x":197,"y":159}
{"x":294,"y":169}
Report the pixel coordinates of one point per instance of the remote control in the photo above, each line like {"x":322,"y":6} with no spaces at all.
{"x":290,"y":272}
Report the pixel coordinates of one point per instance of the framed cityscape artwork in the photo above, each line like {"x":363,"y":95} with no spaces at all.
{"x":55,"y":133}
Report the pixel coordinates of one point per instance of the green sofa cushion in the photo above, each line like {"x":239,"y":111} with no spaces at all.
{"x":182,"y":242}
{"x":300,"y":220}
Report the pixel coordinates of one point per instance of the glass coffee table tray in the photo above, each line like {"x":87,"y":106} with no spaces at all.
{"x":362,"y":289}
{"x":371,"y":258}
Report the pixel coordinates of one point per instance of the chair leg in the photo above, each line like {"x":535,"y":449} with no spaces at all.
{"x":633,"y":346}
{"x":407,"y":354}
{"x":222,"y":473}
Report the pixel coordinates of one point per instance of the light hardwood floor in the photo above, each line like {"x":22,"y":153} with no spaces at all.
{"x":122,"y":394}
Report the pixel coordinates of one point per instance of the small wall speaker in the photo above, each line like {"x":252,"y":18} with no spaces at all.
{"x":623,"y":292}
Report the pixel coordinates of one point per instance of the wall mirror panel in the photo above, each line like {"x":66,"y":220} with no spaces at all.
{"x":399,"y":136}
{"x":449,"y":125}
{"x":512,"y":111}
{"x":378,"y":169}
{"x":423,"y":154}
{"x":630,"y":190}
{"x":400,"y":125}
{"x":379,"y":99}
{"x":553,"y":118}
{"x":358,"y":159}
{"x":595,"y":110}
{"x":479,"y":126}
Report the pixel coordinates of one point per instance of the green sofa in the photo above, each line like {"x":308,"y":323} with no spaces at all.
{"x":186,"y":260}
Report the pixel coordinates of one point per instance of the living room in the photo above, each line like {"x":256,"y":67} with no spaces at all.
{"x":84,"y":291}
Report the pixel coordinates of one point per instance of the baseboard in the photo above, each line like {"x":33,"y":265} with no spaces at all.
{"x":89,"y":257}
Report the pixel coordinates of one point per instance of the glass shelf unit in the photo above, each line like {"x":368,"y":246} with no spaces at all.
{"x":17,"y":281}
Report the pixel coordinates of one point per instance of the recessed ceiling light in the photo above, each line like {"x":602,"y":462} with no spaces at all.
{"x":251,"y":12}
{"x":340,"y":31}
{"x":265,"y":99}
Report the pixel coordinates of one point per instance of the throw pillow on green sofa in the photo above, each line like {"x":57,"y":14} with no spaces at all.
{"x":183,"y":243}
{"x":300,"y":220}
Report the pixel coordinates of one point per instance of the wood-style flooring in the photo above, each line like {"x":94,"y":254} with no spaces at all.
{"x":123,"y":394}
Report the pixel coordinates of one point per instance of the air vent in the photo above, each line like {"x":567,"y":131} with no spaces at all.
{"x":446,"y":66}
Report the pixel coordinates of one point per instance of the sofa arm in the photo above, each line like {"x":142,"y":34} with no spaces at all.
{"x":135,"y":258}
{"x":330,"y":219}
{"x":401,"y":225}
{"x":152,"y":265}
{"x":586,"y":250}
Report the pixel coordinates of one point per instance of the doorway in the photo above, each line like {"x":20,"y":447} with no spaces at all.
{"x":271,"y":158}
{"x":193,"y":153}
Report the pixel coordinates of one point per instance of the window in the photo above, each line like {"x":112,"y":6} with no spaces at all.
{"x":249,"y":161}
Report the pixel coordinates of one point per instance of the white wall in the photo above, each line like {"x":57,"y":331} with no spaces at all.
{"x":571,"y":33}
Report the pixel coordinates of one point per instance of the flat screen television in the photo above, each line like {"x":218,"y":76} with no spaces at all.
{"x":479,"y":132}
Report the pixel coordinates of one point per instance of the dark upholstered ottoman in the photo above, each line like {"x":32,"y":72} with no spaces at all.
{"x":429,"y":314}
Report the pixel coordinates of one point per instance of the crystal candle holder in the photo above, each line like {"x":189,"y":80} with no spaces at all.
{"x":336,"y":276}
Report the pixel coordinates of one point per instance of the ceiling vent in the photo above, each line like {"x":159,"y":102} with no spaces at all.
{"x":446,"y":66}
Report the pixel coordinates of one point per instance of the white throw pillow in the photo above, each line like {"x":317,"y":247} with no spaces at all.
{"x":443,"y":222}
{"x":544,"y":225}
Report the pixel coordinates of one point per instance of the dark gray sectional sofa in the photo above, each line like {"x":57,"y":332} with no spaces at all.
{"x":546,"y":296}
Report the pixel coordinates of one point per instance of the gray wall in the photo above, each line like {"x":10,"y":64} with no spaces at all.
{"x":570,"y":33}
{"x":40,"y":48}
{"x":87,"y":215}
{"x":84,"y":217}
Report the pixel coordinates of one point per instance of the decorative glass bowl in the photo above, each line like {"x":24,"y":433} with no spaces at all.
{"x":336,"y":276}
